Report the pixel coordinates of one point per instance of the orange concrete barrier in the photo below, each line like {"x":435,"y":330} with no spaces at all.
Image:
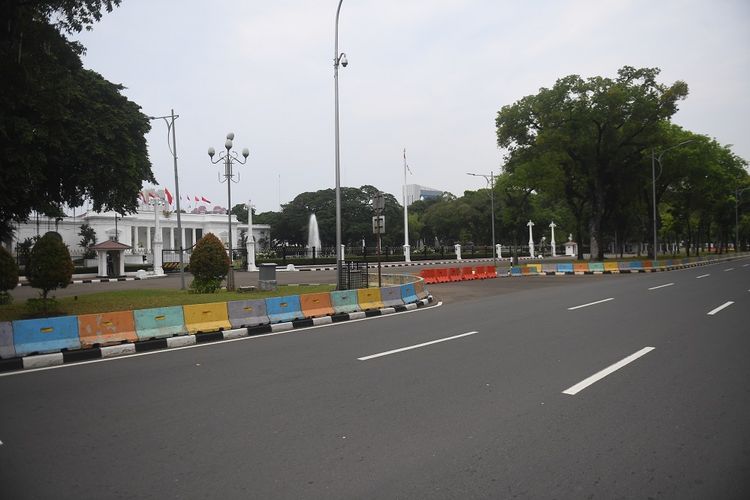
{"x":106,"y":328}
{"x":442,"y":275}
{"x":580,"y":267}
{"x":316,"y":304}
{"x":467,"y":273}
{"x":429,"y":276}
{"x":454,"y":273}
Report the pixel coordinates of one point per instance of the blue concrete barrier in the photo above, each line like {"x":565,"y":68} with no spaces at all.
{"x":566,"y":267}
{"x":283,"y":309}
{"x":515,"y":271}
{"x":344,"y":301}
{"x":391,"y":296}
{"x":45,"y":335}
{"x":7,"y":350}
{"x":247,"y":313}
{"x":408,"y":293}
{"x":159,"y":322}
{"x":636,"y":265}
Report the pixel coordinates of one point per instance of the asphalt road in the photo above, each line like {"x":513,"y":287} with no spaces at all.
{"x":496,"y":409}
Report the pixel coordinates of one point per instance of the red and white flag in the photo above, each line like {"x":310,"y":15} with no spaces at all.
{"x":169,"y":195}
{"x":151,"y":194}
{"x":203,"y":198}
{"x":197,"y":200}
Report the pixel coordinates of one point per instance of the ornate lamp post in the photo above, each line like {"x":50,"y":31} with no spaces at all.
{"x":531,"y":239}
{"x":229,"y":157}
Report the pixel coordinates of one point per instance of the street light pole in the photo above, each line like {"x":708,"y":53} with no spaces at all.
{"x":407,"y":248}
{"x":491,"y":181}
{"x":338,"y":58}
{"x":169,"y":120}
{"x":657,"y":159}
{"x":229,"y":157}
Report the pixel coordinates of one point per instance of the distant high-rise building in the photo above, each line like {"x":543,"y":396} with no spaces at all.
{"x":415,"y":192}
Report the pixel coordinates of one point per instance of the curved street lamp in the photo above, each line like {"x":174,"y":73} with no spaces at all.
{"x":229,"y":157}
{"x":169,"y":120}
{"x":338,"y":59}
{"x":654,"y":159}
{"x":491,"y":181}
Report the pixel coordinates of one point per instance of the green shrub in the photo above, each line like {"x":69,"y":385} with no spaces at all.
{"x":50,"y":266}
{"x":209,"y":264}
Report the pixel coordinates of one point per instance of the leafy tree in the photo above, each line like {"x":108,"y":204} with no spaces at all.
{"x":65,"y":131}
{"x":209,"y":264}
{"x":8,"y":275}
{"x":593,"y":130}
{"x":88,"y":238}
{"x":50,"y":266}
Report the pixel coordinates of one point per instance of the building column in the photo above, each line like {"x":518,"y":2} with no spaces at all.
{"x":171,"y":238}
{"x":148,"y":239}
{"x":135,"y":239}
{"x":194,"y":241}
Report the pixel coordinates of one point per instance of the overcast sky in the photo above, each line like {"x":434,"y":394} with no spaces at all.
{"x":425,"y":75}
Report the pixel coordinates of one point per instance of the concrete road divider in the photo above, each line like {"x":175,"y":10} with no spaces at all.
{"x":391,"y":296}
{"x":7,"y":350}
{"x":45,"y":335}
{"x":454,"y":273}
{"x":636,"y":265}
{"x":611,"y":267}
{"x":596,"y":267}
{"x":206,"y":317}
{"x":369,"y":298}
{"x":283,"y":309}
{"x":408,"y":293}
{"x":580,"y":267}
{"x":566,"y":268}
{"x":159,"y":322}
{"x":247,"y":313}
{"x":420,"y":290}
{"x":315,"y":305}
{"x":106,"y":328}
{"x":344,"y":301}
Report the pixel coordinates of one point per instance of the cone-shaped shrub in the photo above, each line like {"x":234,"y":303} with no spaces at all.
{"x":49,"y":264}
{"x":209,"y":264}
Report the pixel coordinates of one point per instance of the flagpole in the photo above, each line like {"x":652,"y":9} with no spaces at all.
{"x":407,"y":249}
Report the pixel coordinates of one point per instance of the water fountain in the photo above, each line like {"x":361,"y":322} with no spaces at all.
{"x":313,"y":237}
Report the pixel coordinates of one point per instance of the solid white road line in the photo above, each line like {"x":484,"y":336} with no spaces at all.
{"x":702,"y":276}
{"x":660,"y":286}
{"x":723,"y":306}
{"x":394,"y":351}
{"x":610,"y":369}
{"x":729,"y":269}
{"x":590,"y":304}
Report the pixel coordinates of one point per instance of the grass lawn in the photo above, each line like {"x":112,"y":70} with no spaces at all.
{"x":144,"y":299}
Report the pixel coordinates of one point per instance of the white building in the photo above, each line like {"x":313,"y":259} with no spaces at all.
{"x":137,"y":230}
